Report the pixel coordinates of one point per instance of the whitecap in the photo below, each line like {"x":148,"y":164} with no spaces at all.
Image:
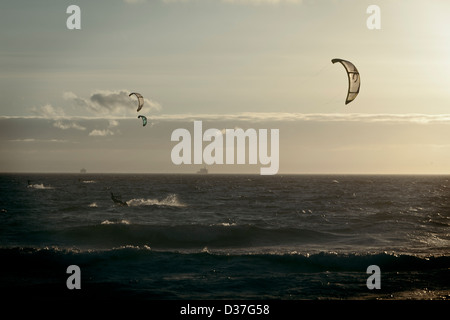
{"x":39,"y":186}
{"x":169,"y":201}
{"x":123,"y":221}
{"x":226,"y":224}
{"x":205,"y":250}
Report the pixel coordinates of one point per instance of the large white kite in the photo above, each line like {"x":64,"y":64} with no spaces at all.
{"x":354,"y":80}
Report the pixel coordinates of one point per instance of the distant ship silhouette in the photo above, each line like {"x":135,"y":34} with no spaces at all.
{"x":202,"y":171}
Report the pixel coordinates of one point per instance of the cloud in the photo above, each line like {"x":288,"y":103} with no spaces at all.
{"x":265,"y":117}
{"x":48,"y":111}
{"x":64,"y":125}
{"x":312,"y":117}
{"x":175,"y":1}
{"x":104,"y":102}
{"x":134,"y":1}
{"x":100,"y":104}
{"x":105,"y":132}
{"x":110,"y":102}
{"x":113,"y":123}
{"x":101,"y":133}
{"x":23,"y":140}
{"x":258,"y":2}
{"x":251,"y":2}
{"x":37,"y":140}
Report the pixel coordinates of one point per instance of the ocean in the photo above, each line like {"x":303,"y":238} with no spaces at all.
{"x":212,"y":237}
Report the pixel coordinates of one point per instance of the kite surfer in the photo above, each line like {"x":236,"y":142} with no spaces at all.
{"x":117,"y":200}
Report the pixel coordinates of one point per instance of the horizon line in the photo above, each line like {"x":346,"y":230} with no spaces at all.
{"x":223,"y":173}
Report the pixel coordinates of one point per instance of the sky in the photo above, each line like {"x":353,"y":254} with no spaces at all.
{"x":232,"y":64}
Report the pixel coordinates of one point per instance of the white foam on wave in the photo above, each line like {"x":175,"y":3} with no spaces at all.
{"x":226,"y":224}
{"x":170,"y":201}
{"x":123,"y":221}
{"x":89,"y":181}
{"x":39,"y":186}
{"x":129,"y":246}
{"x":93,"y":205}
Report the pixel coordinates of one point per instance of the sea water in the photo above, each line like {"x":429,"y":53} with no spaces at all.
{"x":225,"y":236}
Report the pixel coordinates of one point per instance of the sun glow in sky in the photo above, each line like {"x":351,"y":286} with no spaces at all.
{"x":247,"y":64}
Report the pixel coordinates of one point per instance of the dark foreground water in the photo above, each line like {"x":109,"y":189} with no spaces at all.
{"x":225,"y":236}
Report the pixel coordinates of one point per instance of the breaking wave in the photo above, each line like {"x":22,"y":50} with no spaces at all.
{"x":39,"y":186}
{"x":322,"y":261}
{"x":132,"y":271}
{"x":170,"y":201}
{"x":123,"y":221}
